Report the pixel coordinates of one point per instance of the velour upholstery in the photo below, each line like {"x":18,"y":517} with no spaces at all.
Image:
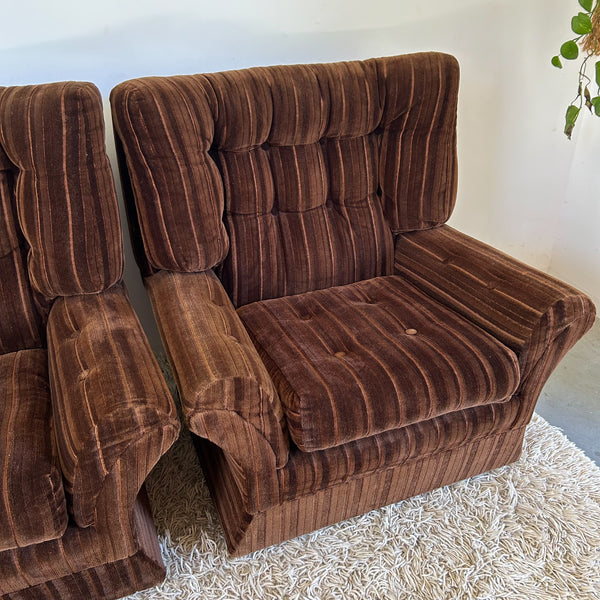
{"x":84,"y":411}
{"x":334,"y":354}
{"x":478,"y":427}
{"x":32,"y":499}
{"x":336,"y":345}
{"x":301,"y":156}
{"x":528,"y":311}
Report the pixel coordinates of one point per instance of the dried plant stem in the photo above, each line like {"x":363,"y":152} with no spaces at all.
{"x":591,"y":42}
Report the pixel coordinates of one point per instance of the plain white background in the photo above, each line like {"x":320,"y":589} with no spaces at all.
{"x":523,"y":187}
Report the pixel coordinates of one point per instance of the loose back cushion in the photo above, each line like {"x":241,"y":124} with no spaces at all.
{"x":32,"y":500}
{"x":314,"y":168}
{"x":66,"y":202}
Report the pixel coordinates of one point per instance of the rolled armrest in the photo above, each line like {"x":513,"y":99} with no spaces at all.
{"x":110,"y":401}
{"x":534,"y":314}
{"x":226,"y":393}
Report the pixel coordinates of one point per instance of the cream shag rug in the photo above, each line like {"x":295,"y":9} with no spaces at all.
{"x":530,"y":530}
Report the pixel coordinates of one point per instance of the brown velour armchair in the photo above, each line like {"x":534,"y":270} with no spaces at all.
{"x":84,"y":411}
{"x":337,"y":347}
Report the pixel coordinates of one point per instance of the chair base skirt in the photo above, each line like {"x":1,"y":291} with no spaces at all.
{"x":246,"y":533}
{"x":107,"y":581}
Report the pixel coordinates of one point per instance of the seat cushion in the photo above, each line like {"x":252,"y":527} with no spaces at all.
{"x":32,"y":501}
{"x":356,"y":360}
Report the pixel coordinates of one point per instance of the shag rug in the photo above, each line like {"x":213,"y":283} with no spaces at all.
{"x":530,"y":530}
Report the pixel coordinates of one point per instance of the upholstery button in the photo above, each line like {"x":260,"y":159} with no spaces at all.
{"x":411,"y":332}
{"x":340,"y":354}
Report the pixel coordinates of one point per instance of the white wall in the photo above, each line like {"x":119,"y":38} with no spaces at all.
{"x":576,"y":251}
{"x":523,"y":187}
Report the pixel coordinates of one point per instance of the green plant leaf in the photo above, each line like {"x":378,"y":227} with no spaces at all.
{"x":556,"y":62}
{"x":569,"y":50}
{"x":596,"y":105}
{"x":598,"y":73}
{"x":587,"y":4}
{"x":581,"y":24}
{"x":570,"y":118}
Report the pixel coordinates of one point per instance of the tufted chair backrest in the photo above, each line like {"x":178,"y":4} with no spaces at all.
{"x":292,"y":178}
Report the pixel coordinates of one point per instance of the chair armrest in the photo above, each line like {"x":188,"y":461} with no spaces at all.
{"x":226,"y":393}
{"x":537,"y":316}
{"x":108,"y":397}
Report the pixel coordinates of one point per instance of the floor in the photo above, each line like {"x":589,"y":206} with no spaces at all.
{"x":571,"y":398}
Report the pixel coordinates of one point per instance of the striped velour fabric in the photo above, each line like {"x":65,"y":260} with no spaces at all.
{"x":107,"y":393}
{"x":309,"y":472}
{"x":418,"y":171}
{"x":525,"y":309}
{"x":32,"y":501}
{"x":313,"y":166}
{"x":67,"y":211}
{"x":226,"y":393}
{"x":317,"y":505}
{"x":353,"y":361}
{"x":84,"y":411}
{"x":168,"y":121}
{"x":117,"y":556}
{"x":292,"y":189}
{"x":310,"y":218}
{"x":221,"y":371}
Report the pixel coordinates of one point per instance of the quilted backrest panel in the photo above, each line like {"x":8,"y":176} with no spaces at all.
{"x":20,"y":322}
{"x":53,"y":135}
{"x":299,"y":162}
{"x":312,"y":168}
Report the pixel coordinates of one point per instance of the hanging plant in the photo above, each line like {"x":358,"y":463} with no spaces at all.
{"x":586,"y":26}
